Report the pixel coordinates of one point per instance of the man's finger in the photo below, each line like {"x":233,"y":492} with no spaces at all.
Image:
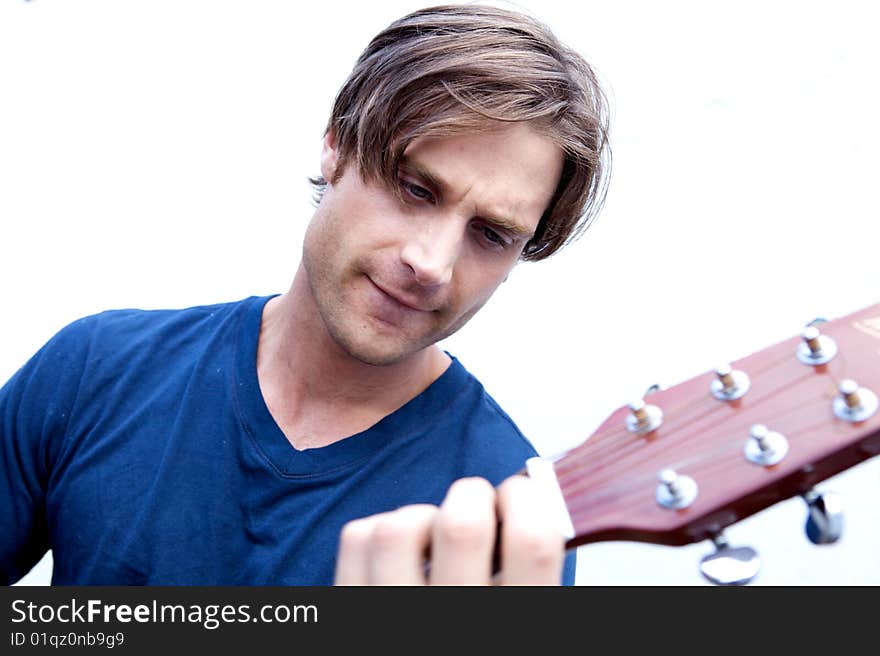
{"x":353,"y":556}
{"x":386,"y":549}
{"x":532,"y":548}
{"x":464,"y":534}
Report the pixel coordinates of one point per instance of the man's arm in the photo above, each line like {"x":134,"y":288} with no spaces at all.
{"x":460,"y":535}
{"x":23,"y":477}
{"x":35,"y":406}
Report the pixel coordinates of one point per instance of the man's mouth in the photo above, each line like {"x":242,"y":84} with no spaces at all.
{"x":402,"y":299}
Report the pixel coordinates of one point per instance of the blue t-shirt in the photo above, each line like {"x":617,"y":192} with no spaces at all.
{"x":137,"y":446}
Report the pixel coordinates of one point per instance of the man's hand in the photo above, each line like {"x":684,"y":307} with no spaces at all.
{"x":391,"y":548}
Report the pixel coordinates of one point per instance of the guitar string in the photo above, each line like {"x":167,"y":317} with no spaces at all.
{"x":608,"y":443}
{"x":706,"y":421}
{"x":726,"y":447}
{"x":723,"y":459}
{"x":731,"y":441}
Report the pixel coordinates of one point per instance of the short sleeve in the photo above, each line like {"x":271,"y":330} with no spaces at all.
{"x":35,"y":407}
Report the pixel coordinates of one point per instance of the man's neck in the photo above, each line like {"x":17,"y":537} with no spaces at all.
{"x":316,"y":391}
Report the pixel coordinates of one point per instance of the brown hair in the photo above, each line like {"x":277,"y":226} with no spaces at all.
{"x":448,"y":69}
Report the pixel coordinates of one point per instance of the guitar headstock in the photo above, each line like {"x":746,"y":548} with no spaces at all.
{"x":685,"y":462}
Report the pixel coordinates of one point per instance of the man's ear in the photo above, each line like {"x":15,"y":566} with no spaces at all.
{"x":329,"y":157}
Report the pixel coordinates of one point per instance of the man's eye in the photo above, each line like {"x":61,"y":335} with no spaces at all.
{"x":492,"y":237}
{"x":417,"y":191}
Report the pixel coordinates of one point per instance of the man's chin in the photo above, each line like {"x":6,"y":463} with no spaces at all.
{"x":379,"y":358}
{"x":379,"y":353}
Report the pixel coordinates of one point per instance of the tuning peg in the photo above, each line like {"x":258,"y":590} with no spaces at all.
{"x":815,"y":348}
{"x":854,"y":403}
{"x":729,"y":565}
{"x":675,"y":491}
{"x":730,"y":384}
{"x":643,"y":418}
{"x":824,"y":517}
{"x":765,"y":447}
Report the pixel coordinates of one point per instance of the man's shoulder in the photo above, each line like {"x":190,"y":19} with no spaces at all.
{"x":488,"y":423}
{"x":153,"y":316}
{"x":133,"y":322}
{"x":136,"y":335}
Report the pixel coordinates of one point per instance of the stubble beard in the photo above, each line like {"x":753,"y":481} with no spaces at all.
{"x":353,"y":334}
{"x":335,"y":293}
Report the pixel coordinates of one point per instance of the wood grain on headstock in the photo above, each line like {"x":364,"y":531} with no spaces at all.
{"x":609,"y":481}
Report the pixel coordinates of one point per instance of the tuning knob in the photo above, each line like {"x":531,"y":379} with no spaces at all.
{"x":730,"y":565}
{"x":765,"y":447}
{"x":730,"y":384}
{"x":675,"y":491}
{"x":643,"y":418}
{"x":815,"y":348}
{"x":824,"y":517}
{"x":854,"y":403}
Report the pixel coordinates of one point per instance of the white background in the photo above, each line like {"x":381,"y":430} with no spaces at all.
{"x":154,"y":153}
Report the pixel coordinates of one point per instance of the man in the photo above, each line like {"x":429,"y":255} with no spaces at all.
{"x":253,"y":442}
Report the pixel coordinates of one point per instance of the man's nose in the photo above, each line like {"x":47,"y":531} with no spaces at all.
{"x":431,"y":252}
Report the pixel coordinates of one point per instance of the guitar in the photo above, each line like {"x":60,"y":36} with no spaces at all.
{"x":680,"y":465}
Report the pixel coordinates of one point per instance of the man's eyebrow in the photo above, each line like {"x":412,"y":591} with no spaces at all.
{"x":439,"y":185}
{"x":424,"y":173}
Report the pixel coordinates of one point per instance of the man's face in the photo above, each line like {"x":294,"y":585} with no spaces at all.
{"x":391,"y":277}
